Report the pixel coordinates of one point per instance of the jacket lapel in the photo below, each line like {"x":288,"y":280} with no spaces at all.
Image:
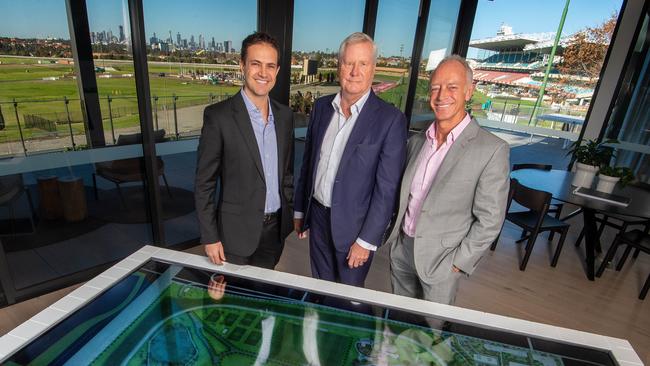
{"x":362,"y":127}
{"x":280,"y":138}
{"x":456,"y":152}
{"x":324,"y":121}
{"x":243,"y":122}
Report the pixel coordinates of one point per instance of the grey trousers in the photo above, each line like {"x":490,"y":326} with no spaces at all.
{"x":406,"y":282}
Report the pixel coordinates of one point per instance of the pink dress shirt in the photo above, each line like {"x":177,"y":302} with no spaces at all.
{"x":429,"y":161}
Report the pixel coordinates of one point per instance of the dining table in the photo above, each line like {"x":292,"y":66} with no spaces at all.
{"x":559,"y":184}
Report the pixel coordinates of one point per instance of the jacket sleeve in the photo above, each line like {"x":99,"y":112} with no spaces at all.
{"x":392,"y":158}
{"x":488,"y":209}
{"x":207,"y":168}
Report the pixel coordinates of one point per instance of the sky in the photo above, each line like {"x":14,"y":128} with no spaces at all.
{"x":318,"y":25}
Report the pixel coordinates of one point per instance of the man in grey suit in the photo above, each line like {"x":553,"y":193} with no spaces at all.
{"x":453,"y":193}
{"x":247,"y":144}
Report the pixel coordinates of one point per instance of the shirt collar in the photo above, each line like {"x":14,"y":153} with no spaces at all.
{"x":453,"y":134}
{"x":355,"y":108}
{"x":252,"y":108}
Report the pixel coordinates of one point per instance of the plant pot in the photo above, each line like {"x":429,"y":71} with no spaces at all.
{"x":584,"y":176}
{"x":606,"y":183}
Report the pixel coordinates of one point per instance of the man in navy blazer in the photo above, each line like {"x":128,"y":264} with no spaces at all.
{"x":355,"y":151}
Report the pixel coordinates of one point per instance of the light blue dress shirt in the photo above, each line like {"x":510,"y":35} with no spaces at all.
{"x":268,"y":148}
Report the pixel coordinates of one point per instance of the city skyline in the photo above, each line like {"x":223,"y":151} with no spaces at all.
{"x":395,"y":20}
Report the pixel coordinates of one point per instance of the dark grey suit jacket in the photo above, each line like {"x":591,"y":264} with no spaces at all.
{"x":228,"y":150}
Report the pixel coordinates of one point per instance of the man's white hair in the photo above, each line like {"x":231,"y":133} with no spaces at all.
{"x":358,"y":37}
{"x":461,"y":60}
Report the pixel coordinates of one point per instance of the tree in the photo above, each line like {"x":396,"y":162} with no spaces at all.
{"x":585,"y":53}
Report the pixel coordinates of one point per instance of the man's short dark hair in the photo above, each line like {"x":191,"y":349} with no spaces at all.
{"x":257,"y":38}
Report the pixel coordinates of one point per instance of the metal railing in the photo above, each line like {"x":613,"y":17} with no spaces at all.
{"x":31,"y":126}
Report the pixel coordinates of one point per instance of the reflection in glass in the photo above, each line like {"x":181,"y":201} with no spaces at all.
{"x":394,"y":35}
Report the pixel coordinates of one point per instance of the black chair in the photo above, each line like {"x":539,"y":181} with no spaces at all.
{"x":128,"y":170}
{"x":634,"y":239}
{"x":536,"y":220}
{"x":556,"y":206}
{"x":620,"y":223}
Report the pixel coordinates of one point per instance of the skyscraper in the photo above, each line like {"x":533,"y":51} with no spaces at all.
{"x":227,"y":45}
{"x":213,"y":45}
{"x":122,"y":37}
{"x":178,"y":39}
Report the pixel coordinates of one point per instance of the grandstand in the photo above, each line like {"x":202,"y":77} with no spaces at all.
{"x":510,"y":59}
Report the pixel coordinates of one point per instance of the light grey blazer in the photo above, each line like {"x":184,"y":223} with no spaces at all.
{"x":465,"y":207}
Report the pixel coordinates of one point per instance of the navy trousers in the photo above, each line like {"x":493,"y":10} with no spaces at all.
{"x":326,"y":262}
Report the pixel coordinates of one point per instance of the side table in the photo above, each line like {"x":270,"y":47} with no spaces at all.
{"x":73,"y":198}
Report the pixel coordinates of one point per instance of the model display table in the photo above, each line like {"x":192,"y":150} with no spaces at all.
{"x":160,"y":306}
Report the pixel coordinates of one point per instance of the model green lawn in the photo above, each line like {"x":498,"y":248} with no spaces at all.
{"x":234,"y":331}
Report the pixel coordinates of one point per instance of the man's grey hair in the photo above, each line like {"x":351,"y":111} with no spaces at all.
{"x":461,"y":60}
{"x":358,"y":37}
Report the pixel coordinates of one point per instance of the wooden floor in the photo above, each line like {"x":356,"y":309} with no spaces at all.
{"x":559,"y":296}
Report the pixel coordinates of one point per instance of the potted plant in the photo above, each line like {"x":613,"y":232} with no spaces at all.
{"x":608,"y":176}
{"x":588,"y":157}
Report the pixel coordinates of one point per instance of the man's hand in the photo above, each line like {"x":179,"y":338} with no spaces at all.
{"x":456,"y":269}
{"x":297,"y":226}
{"x":215,"y":253}
{"x":217,"y":287}
{"x":357,"y":256}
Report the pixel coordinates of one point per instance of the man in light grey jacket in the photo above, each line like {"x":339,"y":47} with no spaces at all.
{"x":453,"y":194}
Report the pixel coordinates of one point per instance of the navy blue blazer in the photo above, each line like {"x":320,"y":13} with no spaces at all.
{"x":367,"y":182}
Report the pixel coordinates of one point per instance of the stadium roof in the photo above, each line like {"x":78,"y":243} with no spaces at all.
{"x":511,"y":41}
{"x":545,"y":46}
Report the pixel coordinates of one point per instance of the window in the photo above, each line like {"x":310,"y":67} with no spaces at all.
{"x":630,"y":120}
{"x":394,"y":35}
{"x":318,"y":30}
{"x":193,"y":62}
{"x":438,"y":43}
{"x":110,"y":37}
{"x":63,"y":208}
{"x":39,"y":101}
{"x":510,"y":49}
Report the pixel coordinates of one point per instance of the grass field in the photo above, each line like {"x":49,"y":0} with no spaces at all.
{"x":21,"y":79}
